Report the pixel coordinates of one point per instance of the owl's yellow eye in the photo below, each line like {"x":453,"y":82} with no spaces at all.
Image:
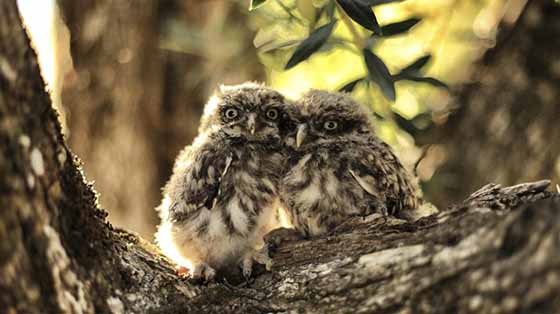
{"x":231,"y":113}
{"x":330,"y":125}
{"x":272,"y":114}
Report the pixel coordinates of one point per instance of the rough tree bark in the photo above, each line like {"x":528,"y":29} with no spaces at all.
{"x":498,"y":252}
{"x":505,"y":128}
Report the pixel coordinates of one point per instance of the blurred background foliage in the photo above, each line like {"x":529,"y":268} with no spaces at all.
{"x":130,"y":79}
{"x":414,"y":31}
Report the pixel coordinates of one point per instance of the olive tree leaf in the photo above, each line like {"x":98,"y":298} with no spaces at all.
{"x":379,"y":73}
{"x":330,"y":9}
{"x":430,"y":80}
{"x":378,"y":2}
{"x":349,"y":87}
{"x":414,"y":67}
{"x":361,"y":13}
{"x":310,"y":45}
{"x":255,"y":4}
{"x":399,"y":27}
{"x":419,"y":124}
{"x":269,"y":46}
{"x":404,"y":124}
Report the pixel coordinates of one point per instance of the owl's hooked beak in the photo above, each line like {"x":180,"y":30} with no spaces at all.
{"x":252,"y":123}
{"x":300,"y":135}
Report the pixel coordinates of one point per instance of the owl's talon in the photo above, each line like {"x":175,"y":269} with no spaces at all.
{"x":259,"y":256}
{"x":203,"y":272}
{"x":262,"y":257}
{"x":247,"y":267}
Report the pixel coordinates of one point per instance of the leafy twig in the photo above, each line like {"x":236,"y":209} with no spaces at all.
{"x":356,"y":37}
{"x":289,"y":12}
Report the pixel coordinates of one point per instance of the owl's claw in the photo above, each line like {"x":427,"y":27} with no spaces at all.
{"x":203,"y":272}
{"x":262,"y":257}
{"x":259,"y":256}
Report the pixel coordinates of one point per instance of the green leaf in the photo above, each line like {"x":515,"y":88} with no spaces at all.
{"x":379,"y":74}
{"x":414,"y":67}
{"x":378,"y":2}
{"x":404,"y":123}
{"x":311,"y":44}
{"x":399,"y":27}
{"x":379,"y":117}
{"x":329,"y":10}
{"x":430,"y":80}
{"x":361,"y":13}
{"x":349,"y":87}
{"x":418,"y":124}
{"x":255,"y":4}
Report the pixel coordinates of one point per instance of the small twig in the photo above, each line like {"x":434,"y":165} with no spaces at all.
{"x":345,"y":44}
{"x":357,"y":38}
{"x":289,"y":12}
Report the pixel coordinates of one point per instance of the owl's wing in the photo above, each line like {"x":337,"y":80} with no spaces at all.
{"x":198,"y":184}
{"x":377,"y":170}
{"x":367,"y":182}
{"x":366,"y":169}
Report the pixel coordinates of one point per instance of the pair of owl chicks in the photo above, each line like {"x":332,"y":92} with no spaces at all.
{"x":317,"y":158}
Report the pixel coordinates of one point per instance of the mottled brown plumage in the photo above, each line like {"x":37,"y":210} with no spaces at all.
{"x":222,"y":196}
{"x":340,"y":167}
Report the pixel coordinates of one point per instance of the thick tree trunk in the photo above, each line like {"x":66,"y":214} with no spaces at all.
{"x":505,"y":128}
{"x":498,"y":252}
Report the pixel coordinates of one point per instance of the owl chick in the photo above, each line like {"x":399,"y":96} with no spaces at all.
{"x":342,"y":169}
{"x":222,"y":196}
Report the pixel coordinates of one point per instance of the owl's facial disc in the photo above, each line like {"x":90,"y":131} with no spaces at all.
{"x":267,"y":121}
{"x":325,"y":118}
{"x":325,"y":129}
{"x":254,"y":122}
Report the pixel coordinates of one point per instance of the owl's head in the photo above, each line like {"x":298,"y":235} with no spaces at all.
{"x":329,"y":117}
{"x":249,"y":110}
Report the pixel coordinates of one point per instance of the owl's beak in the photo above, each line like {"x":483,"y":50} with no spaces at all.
{"x":300,"y":135}
{"x":252,"y":123}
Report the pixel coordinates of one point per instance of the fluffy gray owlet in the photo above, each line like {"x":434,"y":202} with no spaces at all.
{"x":342,"y":168}
{"x":222,"y":196}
